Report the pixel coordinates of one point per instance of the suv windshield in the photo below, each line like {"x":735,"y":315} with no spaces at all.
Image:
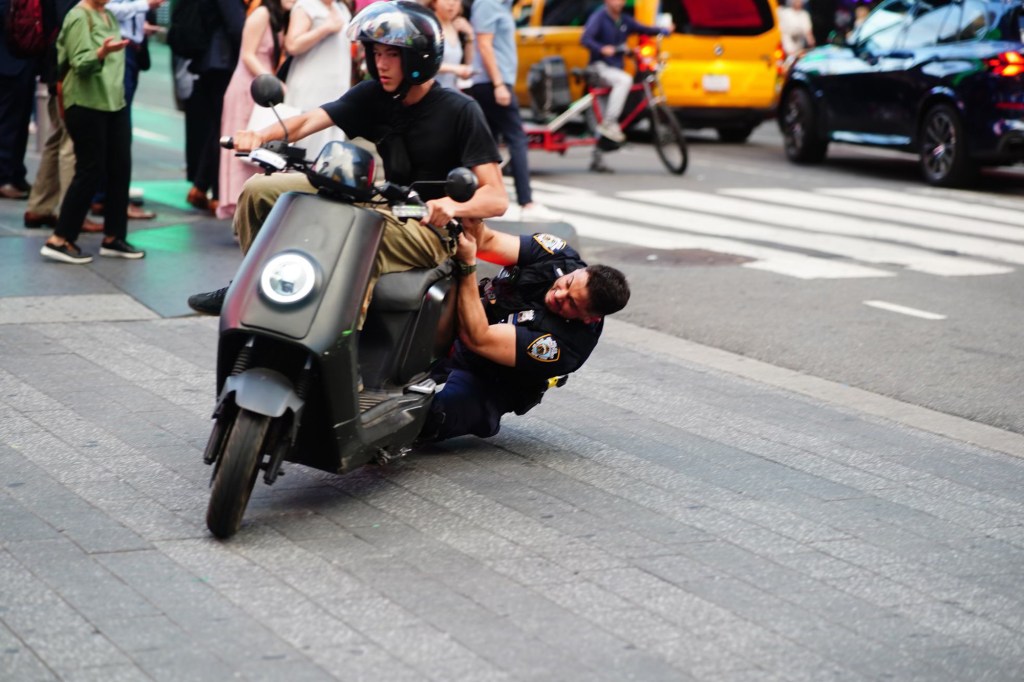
{"x":721,"y":17}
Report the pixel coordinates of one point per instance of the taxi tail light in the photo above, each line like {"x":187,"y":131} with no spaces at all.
{"x":779,"y":56}
{"x":1008,"y":64}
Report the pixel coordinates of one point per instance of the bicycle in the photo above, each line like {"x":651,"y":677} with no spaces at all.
{"x":667,"y":135}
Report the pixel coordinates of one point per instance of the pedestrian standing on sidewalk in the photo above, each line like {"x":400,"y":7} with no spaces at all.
{"x":90,"y":54}
{"x":131,"y":18}
{"x":494,"y":76}
{"x":457,"y":63}
{"x":17,"y":91}
{"x":262,"y":49}
{"x":57,"y":161}
{"x":203,"y":109}
{"x":321,"y":69}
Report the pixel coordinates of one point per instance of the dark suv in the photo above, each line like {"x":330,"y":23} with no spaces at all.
{"x":943,"y":79}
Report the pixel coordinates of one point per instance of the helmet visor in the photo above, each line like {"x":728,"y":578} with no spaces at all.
{"x":384,"y":23}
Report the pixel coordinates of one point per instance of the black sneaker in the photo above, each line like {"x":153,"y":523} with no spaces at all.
{"x":119,"y":248}
{"x":209,"y":303}
{"x":65,"y":253}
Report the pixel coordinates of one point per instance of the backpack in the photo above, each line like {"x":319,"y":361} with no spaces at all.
{"x":25,"y":33}
{"x":192,"y":25}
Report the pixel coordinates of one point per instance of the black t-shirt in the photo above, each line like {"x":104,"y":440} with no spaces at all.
{"x":546,"y":345}
{"x":423,"y":141}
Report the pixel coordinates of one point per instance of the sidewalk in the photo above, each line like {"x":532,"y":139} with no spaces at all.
{"x":656,"y":519}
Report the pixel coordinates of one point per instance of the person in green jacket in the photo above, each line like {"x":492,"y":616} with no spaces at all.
{"x":90,"y":54}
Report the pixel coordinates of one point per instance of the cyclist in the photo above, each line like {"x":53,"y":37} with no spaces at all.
{"x":605,"y":35}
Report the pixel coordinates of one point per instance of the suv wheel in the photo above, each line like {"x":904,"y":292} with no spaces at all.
{"x":801,"y":139}
{"x":944,"y":161}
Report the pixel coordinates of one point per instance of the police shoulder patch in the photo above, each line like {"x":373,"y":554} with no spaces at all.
{"x":525,"y":316}
{"x":549,"y":242}
{"x":544,"y":348}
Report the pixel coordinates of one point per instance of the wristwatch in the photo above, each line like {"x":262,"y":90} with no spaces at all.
{"x":464,"y":269}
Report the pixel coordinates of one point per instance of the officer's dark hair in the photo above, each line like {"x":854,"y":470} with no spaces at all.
{"x":608,"y":289}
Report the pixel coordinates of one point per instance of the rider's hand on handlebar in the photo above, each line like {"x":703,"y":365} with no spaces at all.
{"x":247,"y":140}
{"x":441,"y":212}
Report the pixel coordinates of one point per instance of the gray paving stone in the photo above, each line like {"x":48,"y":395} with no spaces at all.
{"x":105,"y":673}
{"x":18,"y":661}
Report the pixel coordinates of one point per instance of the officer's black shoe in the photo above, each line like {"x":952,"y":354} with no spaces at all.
{"x":208,"y":303}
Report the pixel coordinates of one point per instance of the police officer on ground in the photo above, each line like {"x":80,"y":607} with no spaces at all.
{"x":536,"y":321}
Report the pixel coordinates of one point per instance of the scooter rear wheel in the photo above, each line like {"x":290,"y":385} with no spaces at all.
{"x":236,"y":473}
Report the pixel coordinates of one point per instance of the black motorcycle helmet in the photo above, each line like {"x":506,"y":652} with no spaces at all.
{"x":406,"y":25}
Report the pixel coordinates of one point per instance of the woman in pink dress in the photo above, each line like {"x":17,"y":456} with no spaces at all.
{"x":262,"y":38}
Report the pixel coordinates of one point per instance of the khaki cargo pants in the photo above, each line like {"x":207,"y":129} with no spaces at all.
{"x":406,"y":244}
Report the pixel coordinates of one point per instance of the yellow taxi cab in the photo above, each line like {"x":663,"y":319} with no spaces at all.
{"x":724,"y":66}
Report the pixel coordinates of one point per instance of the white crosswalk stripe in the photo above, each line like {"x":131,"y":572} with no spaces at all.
{"x":975,"y":214}
{"x":827,"y":233}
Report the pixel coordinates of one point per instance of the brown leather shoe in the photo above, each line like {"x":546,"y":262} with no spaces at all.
{"x":91,"y":226}
{"x":197,"y":199}
{"x":11,"y":191}
{"x":40,"y":219}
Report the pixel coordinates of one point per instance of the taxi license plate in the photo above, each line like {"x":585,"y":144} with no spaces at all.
{"x":714,"y":82}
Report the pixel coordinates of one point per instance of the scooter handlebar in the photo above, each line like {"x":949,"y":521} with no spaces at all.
{"x":227,"y":142}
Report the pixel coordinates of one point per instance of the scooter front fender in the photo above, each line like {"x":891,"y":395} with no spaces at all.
{"x":263,"y":391}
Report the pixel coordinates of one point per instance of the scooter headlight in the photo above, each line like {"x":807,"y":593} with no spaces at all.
{"x":288,"y":278}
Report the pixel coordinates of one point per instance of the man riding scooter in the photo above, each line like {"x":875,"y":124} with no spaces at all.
{"x":422,"y":131}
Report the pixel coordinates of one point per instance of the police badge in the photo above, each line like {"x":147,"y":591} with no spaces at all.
{"x":544,"y":349}
{"x":549,"y":242}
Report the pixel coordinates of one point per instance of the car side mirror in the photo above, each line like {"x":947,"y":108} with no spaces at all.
{"x":267,"y":90}
{"x":461,"y":184}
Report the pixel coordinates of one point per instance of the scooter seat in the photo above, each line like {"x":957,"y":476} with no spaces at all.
{"x":404,"y":291}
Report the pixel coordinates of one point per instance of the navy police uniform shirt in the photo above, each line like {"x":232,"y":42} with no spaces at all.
{"x":546,"y":344}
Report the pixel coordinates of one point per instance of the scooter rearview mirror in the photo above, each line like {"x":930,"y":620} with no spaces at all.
{"x":267,"y":90}
{"x":461,"y":184}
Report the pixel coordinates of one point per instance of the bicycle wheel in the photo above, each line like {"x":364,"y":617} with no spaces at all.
{"x":669,"y":141}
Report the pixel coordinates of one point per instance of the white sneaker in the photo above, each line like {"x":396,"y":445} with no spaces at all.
{"x":511,"y":213}
{"x":538,"y":213}
{"x":612,"y":131}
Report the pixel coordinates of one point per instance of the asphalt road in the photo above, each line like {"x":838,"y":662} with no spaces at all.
{"x":968,"y":364}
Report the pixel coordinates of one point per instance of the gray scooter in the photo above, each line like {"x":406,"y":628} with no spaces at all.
{"x":290,"y":358}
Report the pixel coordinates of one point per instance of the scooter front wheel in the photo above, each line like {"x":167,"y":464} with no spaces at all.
{"x":236,"y":473}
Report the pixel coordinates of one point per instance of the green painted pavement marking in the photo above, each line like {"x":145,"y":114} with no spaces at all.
{"x":178,"y":238}
{"x":171,"y":193}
